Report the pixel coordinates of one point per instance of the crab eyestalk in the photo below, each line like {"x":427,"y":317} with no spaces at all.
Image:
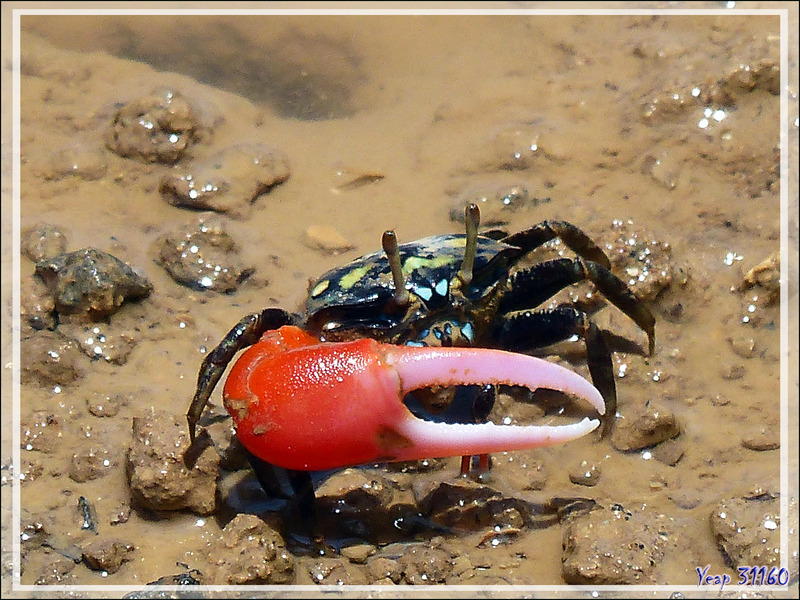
{"x":472,"y":217}
{"x":310,"y":406}
{"x":389,"y":240}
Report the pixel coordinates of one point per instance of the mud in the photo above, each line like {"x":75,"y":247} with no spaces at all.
{"x":656,"y":135}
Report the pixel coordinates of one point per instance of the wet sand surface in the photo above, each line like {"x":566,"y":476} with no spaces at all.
{"x":658,"y":136}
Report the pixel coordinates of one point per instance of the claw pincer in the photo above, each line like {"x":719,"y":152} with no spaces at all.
{"x":311,"y":406}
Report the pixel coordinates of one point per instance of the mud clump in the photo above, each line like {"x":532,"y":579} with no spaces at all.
{"x":158,"y":127}
{"x":41,"y":431}
{"x":106,"y":555}
{"x":497,"y":202}
{"x":51,"y":360}
{"x":642,"y":261}
{"x":747,"y":529}
{"x":229,"y":181}
{"x":158,"y":475}
{"x":610,"y":546}
{"x":204,"y":257}
{"x":43,"y":241}
{"x":330,"y":571}
{"x":248,"y":551}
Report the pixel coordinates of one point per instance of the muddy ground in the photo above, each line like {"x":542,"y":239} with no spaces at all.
{"x":656,"y":135}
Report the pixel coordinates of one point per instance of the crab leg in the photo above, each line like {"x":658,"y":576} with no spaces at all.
{"x":309,"y":406}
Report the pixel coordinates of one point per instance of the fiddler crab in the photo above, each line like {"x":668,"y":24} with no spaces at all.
{"x":345,"y":384}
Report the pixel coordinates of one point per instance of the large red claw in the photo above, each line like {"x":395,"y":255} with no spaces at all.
{"x":306,"y":405}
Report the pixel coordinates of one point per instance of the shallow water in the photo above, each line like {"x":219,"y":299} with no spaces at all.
{"x":648,"y":124}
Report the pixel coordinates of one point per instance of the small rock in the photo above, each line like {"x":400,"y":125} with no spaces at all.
{"x":747,"y":529}
{"x":326,"y":239}
{"x":663,"y":169}
{"x":585,"y":474}
{"x":644,"y":427}
{"x":106,"y":555}
{"x":229,"y":181}
{"x":425,"y":565}
{"x":42,"y":241}
{"x":203,"y":257}
{"x":687,"y":499}
{"x":669,"y":452}
{"x":50,"y":567}
{"x":383,"y":569}
{"x":90,"y":283}
{"x":469,"y":505}
{"x":519,"y":146}
{"x":743,"y":346}
{"x":120,"y":514}
{"x":731,"y":372}
{"x":158,"y":475}
{"x":359,"y":553}
{"x":158,"y":127}
{"x":101,"y":341}
{"x":765,"y":439}
{"x":767,"y":277}
{"x":363,"y":503}
{"x":330,"y":571}
{"x":667,"y":107}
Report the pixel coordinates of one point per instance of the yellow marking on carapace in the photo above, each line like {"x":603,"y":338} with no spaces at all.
{"x":415,"y":262}
{"x":353,"y":277}
{"x":320,"y":287}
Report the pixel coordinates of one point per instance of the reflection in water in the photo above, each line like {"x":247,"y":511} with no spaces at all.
{"x":305,"y":76}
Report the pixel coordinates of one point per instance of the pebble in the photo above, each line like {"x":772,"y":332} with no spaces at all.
{"x":585,"y":473}
{"x":326,"y":239}
{"x":763,"y":440}
{"x":644,"y":427}
{"x":90,"y":283}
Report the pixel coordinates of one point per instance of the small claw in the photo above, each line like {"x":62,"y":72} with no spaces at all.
{"x":308,"y":406}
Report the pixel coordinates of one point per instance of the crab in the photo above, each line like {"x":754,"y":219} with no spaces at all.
{"x":335,"y":386}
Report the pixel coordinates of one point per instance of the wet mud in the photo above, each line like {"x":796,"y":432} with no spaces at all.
{"x":178,"y":174}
